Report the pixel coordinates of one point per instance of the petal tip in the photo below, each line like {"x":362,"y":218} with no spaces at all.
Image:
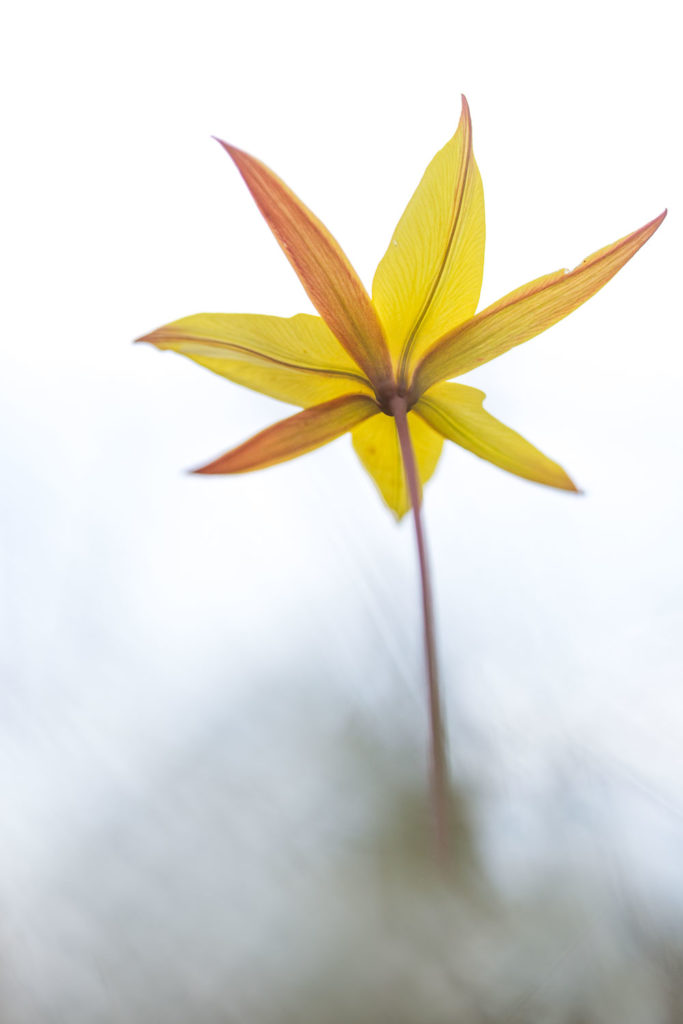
{"x":465,"y":116}
{"x":569,"y":485}
{"x":652,"y":225}
{"x":236,"y":155}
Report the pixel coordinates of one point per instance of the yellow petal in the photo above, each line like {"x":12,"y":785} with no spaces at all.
{"x":456,"y":412}
{"x":429,"y":280}
{"x":297,"y":360}
{"x":376,"y":444}
{"x":329,"y":279}
{"x":294,"y":436}
{"x":526,"y":312}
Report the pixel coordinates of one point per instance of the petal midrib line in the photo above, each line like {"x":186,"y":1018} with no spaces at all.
{"x":468,"y":434}
{"x":261,"y":357}
{"x":458,"y":199}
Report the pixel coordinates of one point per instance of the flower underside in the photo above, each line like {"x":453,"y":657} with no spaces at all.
{"x":347,"y":368}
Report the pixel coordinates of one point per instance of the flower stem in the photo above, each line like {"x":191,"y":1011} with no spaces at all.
{"x":439,"y":764}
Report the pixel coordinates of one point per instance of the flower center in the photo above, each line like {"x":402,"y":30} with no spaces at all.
{"x":386,"y":393}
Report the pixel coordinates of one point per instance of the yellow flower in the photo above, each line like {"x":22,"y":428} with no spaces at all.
{"x":367,"y":362}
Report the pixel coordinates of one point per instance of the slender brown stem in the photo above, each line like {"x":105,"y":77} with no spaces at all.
{"x":439,"y":764}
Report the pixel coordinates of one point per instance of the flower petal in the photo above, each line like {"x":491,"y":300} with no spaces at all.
{"x":294,"y":436}
{"x":429,"y":280}
{"x":297,"y":360}
{"x":456,"y":412}
{"x":329,"y":279}
{"x":376,"y":444}
{"x":526,"y":312}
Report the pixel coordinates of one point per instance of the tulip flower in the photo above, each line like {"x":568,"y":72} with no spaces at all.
{"x":382,"y":367}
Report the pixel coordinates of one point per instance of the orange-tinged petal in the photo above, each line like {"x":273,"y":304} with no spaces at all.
{"x":295,"y":359}
{"x":526,"y":312}
{"x":456,"y":412}
{"x":429,"y":280}
{"x":376,"y":444}
{"x":296,"y":435}
{"x":329,"y":279}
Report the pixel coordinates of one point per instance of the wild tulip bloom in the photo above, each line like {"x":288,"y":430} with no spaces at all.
{"x":382,"y":368}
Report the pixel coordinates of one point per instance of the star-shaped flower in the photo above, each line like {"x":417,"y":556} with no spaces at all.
{"x":366,"y":360}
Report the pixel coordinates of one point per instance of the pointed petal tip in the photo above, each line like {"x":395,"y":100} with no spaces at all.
{"x":152,"y":338}
{"x":465,"y":116}
{"x":566,"y":484}
{"x":207,"y":469}
{"x":237,"y":155}
{"x":649,"y":229}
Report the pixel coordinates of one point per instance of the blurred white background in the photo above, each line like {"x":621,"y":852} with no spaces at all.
{"x":212,"y":727}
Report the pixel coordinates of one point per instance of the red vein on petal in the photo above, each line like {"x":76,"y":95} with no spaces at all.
{"x":322,"y":267}
{"x":295,"y":435}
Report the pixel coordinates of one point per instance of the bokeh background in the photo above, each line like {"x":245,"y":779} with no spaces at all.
{"x":212,"y":722}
